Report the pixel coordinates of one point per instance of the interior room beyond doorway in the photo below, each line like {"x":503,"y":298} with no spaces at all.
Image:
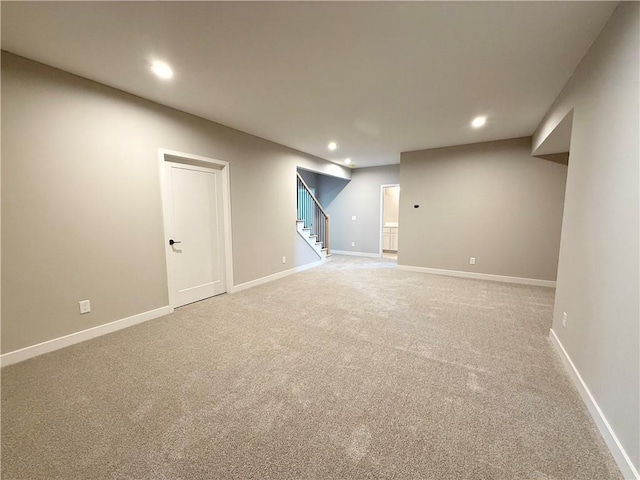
{"x":390,"y":219}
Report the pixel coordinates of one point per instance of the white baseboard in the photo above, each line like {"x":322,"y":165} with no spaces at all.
{"x":355,"y":254}
{"x":57,"y":343}
{"x":73,"y":338}
{"x":480,"y":276}
{"x":622,"y":459}
{"x":276,"y":276}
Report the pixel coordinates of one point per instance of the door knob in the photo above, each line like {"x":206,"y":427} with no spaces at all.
{"x":171,"y":242}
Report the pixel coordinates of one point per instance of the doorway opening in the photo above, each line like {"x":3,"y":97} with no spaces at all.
{"x":197,"y":226}
{"x":389,"y":221}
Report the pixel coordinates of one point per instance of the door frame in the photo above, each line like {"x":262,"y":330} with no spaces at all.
{"x":165,"y":155}
{"x":381,"y":239}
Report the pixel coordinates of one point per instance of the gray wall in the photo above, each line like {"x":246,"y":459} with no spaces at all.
{"x":359,"y":197}
{"x":81,"y":201}
{"x":310,"y":178}
{"x":492,"y":201}
{"x":304,"y":253}
{"x":598,"y":268}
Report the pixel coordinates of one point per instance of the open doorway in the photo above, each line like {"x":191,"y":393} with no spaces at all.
{"x":389,"y":220}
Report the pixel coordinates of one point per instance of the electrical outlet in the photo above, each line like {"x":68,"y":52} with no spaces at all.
{"x":353,"y":244}
{"x":284,"y":259}
{"x":564,"y":319}
{"x":85,"y":306}
{"x":472,"y":260}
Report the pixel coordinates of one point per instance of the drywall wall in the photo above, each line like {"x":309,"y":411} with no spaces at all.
{"x":492,"y":201}
{"x":310,"y":178}
{"x":81,"y":202}
{"x":359,"y":197}
{"x":304,"y":253}
{"x":598,"y":284}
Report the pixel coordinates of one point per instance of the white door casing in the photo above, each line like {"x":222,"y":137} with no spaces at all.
{"x":196,"y":214}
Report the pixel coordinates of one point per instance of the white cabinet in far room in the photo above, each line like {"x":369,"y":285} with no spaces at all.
{"x":390,"y":237}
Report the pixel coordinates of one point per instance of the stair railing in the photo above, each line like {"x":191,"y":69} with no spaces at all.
{"x":311,"y":212}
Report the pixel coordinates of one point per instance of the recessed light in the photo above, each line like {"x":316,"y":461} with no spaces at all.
{"x":347,"y":161}
{"x":162,"y":70}
{"x":332,"y":146}
{"x":478,"y":122}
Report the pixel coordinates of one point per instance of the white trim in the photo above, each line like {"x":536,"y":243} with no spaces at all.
{"x":480,"y":276}
{"x":77,"y":337}
{"x":620,"y":456}
{"x":355,"y":254}
{"x":224,"y":167}
{"x":276,"y":276}
{"x":382,"y":187}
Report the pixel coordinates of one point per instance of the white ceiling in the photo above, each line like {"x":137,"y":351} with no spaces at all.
{"x":377,"y":77}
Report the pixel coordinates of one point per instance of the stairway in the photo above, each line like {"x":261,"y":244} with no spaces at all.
{"x":313,"y":223}
{"x":312,"y":240}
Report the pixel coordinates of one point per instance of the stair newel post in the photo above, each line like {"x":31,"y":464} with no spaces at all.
{"x":327,"y":225}
{"x":322,"y":232}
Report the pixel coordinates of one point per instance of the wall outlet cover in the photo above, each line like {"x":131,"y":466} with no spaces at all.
{"x":85,"y":306}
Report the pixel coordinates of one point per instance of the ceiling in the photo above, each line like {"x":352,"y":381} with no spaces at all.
{"x":379,"y":78}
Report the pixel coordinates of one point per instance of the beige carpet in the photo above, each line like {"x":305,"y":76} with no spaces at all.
{"x":351,"y":370}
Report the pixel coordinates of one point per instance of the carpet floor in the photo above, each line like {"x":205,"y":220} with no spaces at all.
{"x":352,"y":370}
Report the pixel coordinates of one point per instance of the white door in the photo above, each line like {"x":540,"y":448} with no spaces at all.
{"x":194,"y":231}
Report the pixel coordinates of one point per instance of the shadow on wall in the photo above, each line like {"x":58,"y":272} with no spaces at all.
{"x":324,"y":187}
{"x":561,"y":158}
{"x":330,"y":188}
